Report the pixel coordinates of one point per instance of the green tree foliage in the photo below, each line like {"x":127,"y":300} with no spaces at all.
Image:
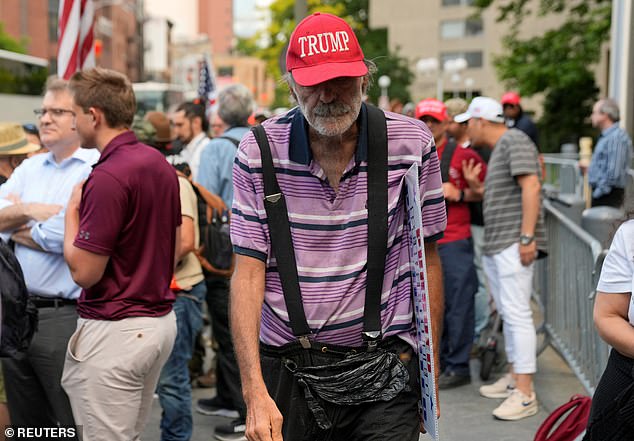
{"x":8,"y":43}
{"x":557,"y":63}
{"x":17,"y":79}
{"x":271,"y":44}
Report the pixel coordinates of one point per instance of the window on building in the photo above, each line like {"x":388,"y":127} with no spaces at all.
{"x":457,"y":2}
{"x":474,"y":58}
{"x":225,"y":71}
{"x":460,"y":28}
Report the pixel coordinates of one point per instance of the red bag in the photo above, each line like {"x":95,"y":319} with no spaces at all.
{"x":575,"y":415}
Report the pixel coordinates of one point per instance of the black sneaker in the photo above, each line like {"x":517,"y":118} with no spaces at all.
{"x":449,"y":380}
{"x":234,"y":431}
{"x":213,"y":406}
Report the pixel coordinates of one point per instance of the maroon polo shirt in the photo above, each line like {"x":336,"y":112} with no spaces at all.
{"x":129,"y":211}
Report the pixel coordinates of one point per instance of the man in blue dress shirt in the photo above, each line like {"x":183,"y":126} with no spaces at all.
{"x":32,"y":204}
{"x":612,"y":156}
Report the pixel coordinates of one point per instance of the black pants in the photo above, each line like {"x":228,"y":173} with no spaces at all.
{"x":229,"y":389}
{"x":612,"y":413}
{"x":394,"y":420}
{"x":33,"y":384}
{"x":614,"y":199}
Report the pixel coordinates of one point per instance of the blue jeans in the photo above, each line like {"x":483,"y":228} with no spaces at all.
{"x":174,"y":387}
{"x":460,"y":284}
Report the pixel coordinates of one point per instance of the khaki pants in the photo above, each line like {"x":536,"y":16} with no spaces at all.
{"x":111,"y":371}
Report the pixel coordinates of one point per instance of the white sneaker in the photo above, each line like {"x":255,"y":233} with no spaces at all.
{"x":516,"y":407}
{"x":500,"y":389}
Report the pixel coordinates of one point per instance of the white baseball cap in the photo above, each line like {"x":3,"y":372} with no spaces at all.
{"x":482,"y":107}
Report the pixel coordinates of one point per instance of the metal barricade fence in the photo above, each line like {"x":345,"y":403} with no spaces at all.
{"x":563,"y":175}
{"x":566,"y":282}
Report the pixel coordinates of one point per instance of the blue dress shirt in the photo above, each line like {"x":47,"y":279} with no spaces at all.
{"x":611,"y":159}
{"x":216,"y":164}
{"x":40,"y":179}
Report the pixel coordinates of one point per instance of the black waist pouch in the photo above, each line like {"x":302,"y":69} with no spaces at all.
{"x":358,"y":378}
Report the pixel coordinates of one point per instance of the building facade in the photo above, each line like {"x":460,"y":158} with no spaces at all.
{"x":446,"y":30}
{"x":215,"y":19}
{"x":116,"y":31}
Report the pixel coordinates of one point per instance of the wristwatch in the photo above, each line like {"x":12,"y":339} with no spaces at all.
{"x":525,"y":239}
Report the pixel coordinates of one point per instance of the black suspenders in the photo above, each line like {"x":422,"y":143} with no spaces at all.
{"x":282,"y":243}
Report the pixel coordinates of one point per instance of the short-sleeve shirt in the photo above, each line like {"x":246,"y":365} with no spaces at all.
{"x":617,"y":274}
{"x":130,"y":211}
{"x":513,"y":155}
{"x":458,"y":213}
{"x":329,"y":229}
{"x":188,"y":270}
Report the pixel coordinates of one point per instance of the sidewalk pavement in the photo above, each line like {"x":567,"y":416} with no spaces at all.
{"x":465,"y":415}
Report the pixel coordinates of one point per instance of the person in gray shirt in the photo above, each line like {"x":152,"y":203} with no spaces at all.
{"x":513,"y":234}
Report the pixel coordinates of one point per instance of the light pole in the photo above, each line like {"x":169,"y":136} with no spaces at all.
{"x":427,"y":67}
{"x":384,"y":100}
{"x":454,"y":67}
{"x":430,"y":66}
{"x":469,"y":82}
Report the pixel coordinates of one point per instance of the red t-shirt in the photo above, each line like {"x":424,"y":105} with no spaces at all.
{"x":458,"y":215}
{"x":129,"y":211}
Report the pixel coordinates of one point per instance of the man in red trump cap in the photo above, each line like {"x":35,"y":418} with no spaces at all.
{"x":332,"y":354}
{"x":515,"y":117}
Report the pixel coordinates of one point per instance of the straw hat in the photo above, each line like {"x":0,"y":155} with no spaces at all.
{"x":13,"y":140}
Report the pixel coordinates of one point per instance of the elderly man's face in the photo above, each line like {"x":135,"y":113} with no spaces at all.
{"x":333,"y":106}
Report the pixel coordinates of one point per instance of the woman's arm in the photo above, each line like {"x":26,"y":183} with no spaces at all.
{"x":610,"y":318}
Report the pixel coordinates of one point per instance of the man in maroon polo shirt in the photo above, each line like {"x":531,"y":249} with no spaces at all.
{"x":121,"y":234}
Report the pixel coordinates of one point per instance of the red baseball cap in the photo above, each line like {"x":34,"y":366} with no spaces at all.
{"x":431,"y":107}
{"x":323,"y":47}
{"x":510,"y":98}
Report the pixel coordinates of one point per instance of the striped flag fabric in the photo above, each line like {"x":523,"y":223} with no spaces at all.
{"x":75,"y":50}
{"x":206,"y":86}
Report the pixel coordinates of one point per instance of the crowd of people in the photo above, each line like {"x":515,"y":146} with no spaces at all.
{"x":104,"y":213}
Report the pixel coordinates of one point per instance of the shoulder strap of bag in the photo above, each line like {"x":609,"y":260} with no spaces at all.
{"x":281,"y":241}
{"x":377,"y":222}
{"x":576,"y":412}
{"x":234,"y":141}
{"x":445,"y":160}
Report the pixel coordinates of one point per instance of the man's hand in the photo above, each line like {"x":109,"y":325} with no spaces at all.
{"x":471,"y":170}
{"x":41,"y":212}
{"x":528,"y":253}
{"x":75,"y":197}
{"x":452,"y":194}
{"x":264,"y":420}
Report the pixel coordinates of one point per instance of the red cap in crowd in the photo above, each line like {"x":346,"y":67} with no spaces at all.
{"x":431,"y":107}
{"x":510,"y":98}
{"x":323,"y":47}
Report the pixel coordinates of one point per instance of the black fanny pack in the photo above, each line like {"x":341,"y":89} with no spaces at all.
{"x":358,"y":378}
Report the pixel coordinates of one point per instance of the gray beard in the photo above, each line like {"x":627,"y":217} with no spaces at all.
{"x":332,"y":119}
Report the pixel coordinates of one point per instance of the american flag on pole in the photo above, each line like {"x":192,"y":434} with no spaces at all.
{"x":206,"y":86}
{"x":75,"y":50}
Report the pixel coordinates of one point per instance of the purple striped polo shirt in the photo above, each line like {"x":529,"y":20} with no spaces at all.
{"x":329,"y":230}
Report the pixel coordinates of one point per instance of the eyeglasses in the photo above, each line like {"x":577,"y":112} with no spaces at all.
{"x":54,"y":113}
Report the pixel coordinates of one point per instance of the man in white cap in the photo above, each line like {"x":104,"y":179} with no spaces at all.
{"x":324,"y":155}
{"x":513,"y":236}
